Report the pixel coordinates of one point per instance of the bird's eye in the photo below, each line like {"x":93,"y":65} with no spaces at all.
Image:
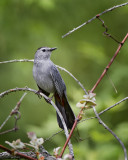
{"x":43,"y":50}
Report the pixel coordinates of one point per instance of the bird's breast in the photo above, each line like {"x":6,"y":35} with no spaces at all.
{"x":42,"y":76}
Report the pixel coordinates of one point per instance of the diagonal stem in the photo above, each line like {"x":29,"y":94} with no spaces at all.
{"x":110,"y":63}
{"x":106,"y":127}
{"x":99,"y":80}
{"x":72,"y":130}
{"x":93,"y":18}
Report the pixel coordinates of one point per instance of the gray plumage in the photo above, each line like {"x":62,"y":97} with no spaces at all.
{"x":49,"y":80}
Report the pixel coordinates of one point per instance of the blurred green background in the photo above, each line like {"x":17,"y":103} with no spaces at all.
{"x":29,"y":24}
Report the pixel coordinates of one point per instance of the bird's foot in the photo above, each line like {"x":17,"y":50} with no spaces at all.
{"x":38,"y":93}
{"x":49,"y":100}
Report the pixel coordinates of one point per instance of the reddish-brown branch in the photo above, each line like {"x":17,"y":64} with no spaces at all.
{"x":99,"y":80}
{"x":110,"y":63}
{"x":72,"y":130}
{"x":17,"y":116}
{"x":5,"y":149}
{"x":106,"y":29}
{"x":16,"y":153}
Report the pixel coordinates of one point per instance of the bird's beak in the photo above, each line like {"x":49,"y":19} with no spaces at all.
{"x":52,"y":49}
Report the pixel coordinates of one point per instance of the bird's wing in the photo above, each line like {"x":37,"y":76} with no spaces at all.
{"x":58,"y":81}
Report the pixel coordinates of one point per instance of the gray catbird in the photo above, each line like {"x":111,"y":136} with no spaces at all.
{"x":49,"y":80}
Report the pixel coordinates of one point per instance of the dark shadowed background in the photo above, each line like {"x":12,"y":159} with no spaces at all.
{"x":29,"y":24}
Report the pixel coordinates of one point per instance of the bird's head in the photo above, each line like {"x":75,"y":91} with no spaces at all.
{"x":44,"y":52}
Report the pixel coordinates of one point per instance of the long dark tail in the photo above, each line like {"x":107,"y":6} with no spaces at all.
{"x":65,"y":110}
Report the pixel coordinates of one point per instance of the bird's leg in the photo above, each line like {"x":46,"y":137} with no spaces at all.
{"x":49,"y":99}
{"x":38,"y":93}
{"x":44,"y":92}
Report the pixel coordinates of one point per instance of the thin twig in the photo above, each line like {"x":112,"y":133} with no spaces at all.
{"x":110,"y":63}
{"x":9,"y":130}
{"x":47,"y":139}
{"x":14,"y":111}
{"x":124,"y":99}
{"x":106,"y":127}
{"x":63,"y":69}
{"x":113,"y":85}
{"x":100,"y":113}
{"x":52,"y":103}
{"x":16,"y":60}
{"x":90,"y":20}
{"x":106,"y":30}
